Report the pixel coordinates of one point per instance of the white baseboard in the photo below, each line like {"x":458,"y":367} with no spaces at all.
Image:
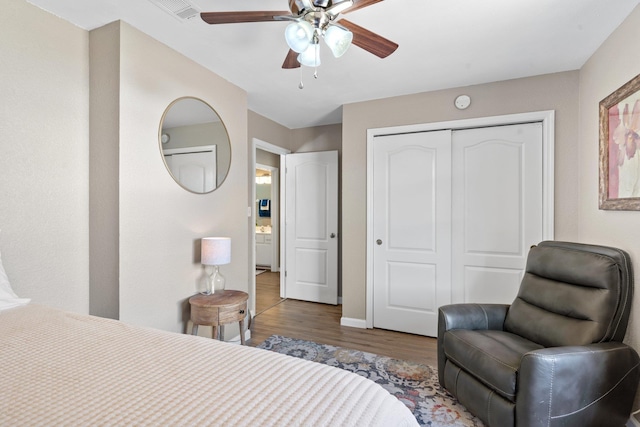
{"x":354,"y":323}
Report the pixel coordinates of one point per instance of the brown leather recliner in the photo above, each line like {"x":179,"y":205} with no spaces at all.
{"x":555,"y":356}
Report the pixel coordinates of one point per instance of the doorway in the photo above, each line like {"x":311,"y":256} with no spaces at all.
{"x":266,"y":156}
{"x":312,"y":223}
{"x":267,"y":262}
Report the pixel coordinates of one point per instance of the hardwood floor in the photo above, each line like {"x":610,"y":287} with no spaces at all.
{"x":321,"y":323}
{"x":267,"y":291}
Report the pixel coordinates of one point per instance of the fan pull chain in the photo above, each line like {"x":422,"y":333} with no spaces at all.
{"x":300,"y":85}
{"x":315,"y":70}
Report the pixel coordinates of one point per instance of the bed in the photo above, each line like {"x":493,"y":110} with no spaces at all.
{"x":61,"y":368}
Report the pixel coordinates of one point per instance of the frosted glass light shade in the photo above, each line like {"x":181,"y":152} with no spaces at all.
{"x":311,"y":56}
{"x":338,"y":39}
{"x":298,"y":35}
{"x":215,"y":251}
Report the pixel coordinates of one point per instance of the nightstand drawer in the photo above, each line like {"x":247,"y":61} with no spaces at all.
{"x":232,"y":313}
{"x":203,"y":315}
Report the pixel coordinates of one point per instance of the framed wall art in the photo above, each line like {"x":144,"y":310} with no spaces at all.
{"x":620,"y":148}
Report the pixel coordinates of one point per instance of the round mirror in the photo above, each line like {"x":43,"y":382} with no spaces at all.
{"x":195,"y":145}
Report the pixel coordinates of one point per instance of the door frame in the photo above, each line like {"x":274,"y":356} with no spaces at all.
{"x":258,"y":144}
{"x":547,"y":118}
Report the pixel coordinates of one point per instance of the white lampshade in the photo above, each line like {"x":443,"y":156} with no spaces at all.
{"x":311,"y":56}
{"x":338,"y":39}
{"x":299,"y":35}
{"x":215,"y":251}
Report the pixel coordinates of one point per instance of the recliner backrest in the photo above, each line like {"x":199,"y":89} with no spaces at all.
{"x":572,"y":294}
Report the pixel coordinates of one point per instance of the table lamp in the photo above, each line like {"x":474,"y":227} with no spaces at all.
{"x":215,"y":251}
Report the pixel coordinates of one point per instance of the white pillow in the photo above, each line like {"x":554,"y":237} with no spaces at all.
{"x":8,"y":298}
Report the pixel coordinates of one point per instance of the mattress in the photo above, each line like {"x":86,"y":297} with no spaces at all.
{"x":61,"y":368}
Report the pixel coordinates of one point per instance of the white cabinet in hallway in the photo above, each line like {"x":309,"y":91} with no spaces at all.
{"x":263,"y":249}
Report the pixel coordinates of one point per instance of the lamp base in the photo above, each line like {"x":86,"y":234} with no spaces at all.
{"x":217,"y":280}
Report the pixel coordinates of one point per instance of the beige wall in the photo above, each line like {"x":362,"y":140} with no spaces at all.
{"x":160,"y":223}
{"x":104,"y":157}
{"x":268,"y":159}
{"x":267,"y":130}
{"x":145,"y":229}
{"x":557,"y":92}
{"x":318,"y":138}
{"x":608,"y":69}
{"x":44,"y":123}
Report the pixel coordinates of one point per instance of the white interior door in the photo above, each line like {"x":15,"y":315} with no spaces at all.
{"x":497,"y":209}
{"x":311,"y":218}
{"x":412,"y":211}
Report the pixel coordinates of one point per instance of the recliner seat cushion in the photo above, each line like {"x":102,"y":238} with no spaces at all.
{"x":492,"y":357}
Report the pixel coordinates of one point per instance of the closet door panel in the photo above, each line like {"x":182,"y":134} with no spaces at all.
{"x":412,"y":209}
{"x":497,"y":209}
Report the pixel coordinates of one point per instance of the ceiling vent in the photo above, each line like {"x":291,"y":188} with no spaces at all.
{"x":179,"y":9}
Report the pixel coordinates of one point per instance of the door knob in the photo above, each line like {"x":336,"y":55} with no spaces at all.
{"x":332,"y":235}
{"x":379,"y":242}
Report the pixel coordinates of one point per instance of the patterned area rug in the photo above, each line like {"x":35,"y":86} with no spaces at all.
{"x":413,"y":384}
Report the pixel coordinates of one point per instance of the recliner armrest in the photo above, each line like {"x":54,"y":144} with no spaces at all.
{"x":471,"y":317}
{"x":467,"y":316}
{"x":577,"y":385}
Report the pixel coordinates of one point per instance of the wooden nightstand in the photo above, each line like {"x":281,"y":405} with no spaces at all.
{"x":218,"y":309}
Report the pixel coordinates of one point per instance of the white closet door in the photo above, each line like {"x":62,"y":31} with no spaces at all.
{"x":454,"y":215}
{"x":497,"y":209}
{"x":412,"y":211}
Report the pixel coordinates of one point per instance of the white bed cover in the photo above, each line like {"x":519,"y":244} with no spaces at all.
{"x":64,"y":369}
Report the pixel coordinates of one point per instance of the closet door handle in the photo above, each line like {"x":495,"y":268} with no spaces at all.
{"x":379,"y":242}
{"x":332,"y":235}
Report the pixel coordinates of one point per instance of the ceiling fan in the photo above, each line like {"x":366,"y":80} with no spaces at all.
{"x":312,"y":20}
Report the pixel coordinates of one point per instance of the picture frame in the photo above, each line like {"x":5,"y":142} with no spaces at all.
{"x":619,"y":187}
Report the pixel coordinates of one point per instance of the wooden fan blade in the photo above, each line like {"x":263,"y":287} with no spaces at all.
{"x":369,"y":41}
{"x":238,"y":17}
{"x":293,"y":7}
{"x":291,"y":61}
{"x":359,"y":4}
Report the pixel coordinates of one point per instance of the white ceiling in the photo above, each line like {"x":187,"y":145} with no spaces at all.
{"x":443,"y":44}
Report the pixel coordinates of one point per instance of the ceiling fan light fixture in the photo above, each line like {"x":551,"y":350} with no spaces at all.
{"x":338,"y":39}
{"x":299,"y":35}
{"x":311,"y":56}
